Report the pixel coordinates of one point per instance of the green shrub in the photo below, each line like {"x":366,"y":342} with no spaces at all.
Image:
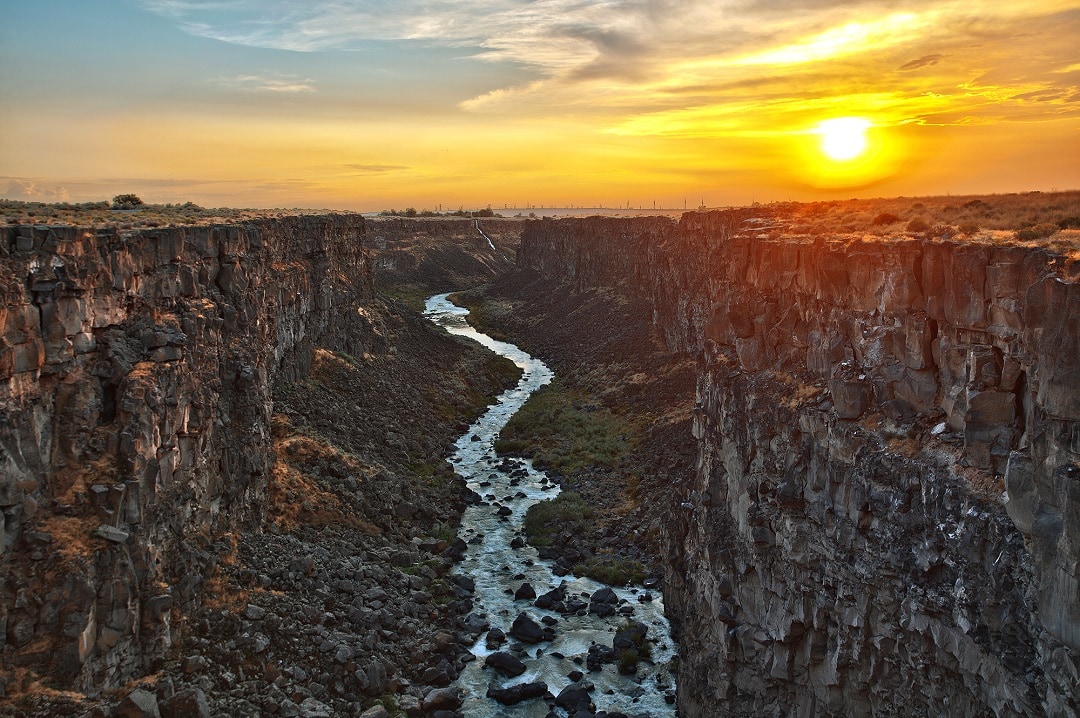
{"x":918,"y":225}
{"x":628,"y":661}
{"x":885,"y":218}
{"x":1038,"y":231}
{"x":126,"y":201}
{"x":612,"y":571}
{"x":566,"y":512}
{"x":566,"y":431}
{"x":968,"y":228}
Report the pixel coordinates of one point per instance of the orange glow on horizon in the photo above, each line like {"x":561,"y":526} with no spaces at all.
{"x":393,"y":107}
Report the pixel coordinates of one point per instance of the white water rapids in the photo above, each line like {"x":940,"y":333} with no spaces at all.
{"x":499,"y":570}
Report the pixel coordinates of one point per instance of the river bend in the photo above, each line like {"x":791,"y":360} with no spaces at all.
{"x":498,"y":569}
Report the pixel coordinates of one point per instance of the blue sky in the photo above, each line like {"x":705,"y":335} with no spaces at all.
{"x":365,"y":104}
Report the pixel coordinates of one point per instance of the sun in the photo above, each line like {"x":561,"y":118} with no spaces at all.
{"x":843,"y":138}
{"x":847,"y":152}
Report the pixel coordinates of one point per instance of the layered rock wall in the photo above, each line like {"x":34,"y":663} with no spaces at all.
{"x":135,"y":386}
{"x":886,"y":512}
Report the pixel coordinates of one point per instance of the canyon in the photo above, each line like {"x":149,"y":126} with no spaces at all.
{"x":883,"y":515}
{"x":213,"y":436}
{"x":858,"y":472}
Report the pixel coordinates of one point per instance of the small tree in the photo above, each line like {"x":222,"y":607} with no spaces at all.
{"x":126,"y":201}
{"x":885,"y":218}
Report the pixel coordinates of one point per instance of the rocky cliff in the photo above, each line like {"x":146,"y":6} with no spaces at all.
{"x":885,"y":517}
{"x":135,"y":386}
{"x":415,"y":258}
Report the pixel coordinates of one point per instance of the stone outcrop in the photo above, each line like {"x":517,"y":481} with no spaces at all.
{"x":885,"y":517}
{"x":135,"y":406}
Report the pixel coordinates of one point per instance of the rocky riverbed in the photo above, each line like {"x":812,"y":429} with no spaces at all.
{"x":585,"y":647}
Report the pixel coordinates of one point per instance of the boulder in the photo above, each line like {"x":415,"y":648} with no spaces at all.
{"x":138,"y":704}
{"x":456,"y":551}
{"x":376,"y":712}
{"x":851,"y":397}
{"x":575,"y":698}
{"x":630,"y":637}
{"x":442,"y":699}
{"x":505,"y":664}
{"x":187,"y":703}
{"x":548,"y":600}
{"x":312,"y":708}
{"x":516,"y":694}
{"x":495,"y":638}
{"x":527,"y":630}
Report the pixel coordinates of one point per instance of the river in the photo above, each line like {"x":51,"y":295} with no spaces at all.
{"x":499,"y":570}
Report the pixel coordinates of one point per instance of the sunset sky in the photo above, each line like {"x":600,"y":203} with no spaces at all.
{"x":373,"y":104}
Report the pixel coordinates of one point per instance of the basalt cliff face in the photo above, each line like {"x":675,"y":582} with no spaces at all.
{"x":135,"y":386}
{"x":885,"y":516}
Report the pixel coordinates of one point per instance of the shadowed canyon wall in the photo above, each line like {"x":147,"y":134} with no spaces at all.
{"x":135,"y":386}
{"x":885,"y":517}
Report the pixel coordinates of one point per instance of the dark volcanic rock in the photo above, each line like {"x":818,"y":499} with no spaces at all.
{"x":495,"y":638}
{"x":505,"y":664}
{"x":517,"y":694}
{"x":186,"y":703}
{"x":220,"y":425}
{"x":548,"y":600}
{"x":442,"y":699}
{"x":631,"y":636}
{"x":527,"y":630}
{"x":574,"y":699}
{"x":925,"y":376}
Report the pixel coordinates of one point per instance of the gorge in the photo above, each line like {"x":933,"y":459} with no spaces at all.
{"x":883,"y":516}
{"x":859,"y":459}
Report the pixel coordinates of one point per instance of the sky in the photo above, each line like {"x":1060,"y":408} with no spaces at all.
{"x":375,"y":104}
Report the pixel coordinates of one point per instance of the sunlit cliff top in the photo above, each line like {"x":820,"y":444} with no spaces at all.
{"x":1035,"y":219}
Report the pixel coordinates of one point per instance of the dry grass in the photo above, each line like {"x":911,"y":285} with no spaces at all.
{"x":73,"y":537}
{"x":799,"y":392}
{"x":631,"y":495}
{"x":98,"y":214}
{"x":983,"y":483}
{"x":218,"y":592}
{"x":982,"y":219}
{"x":295,"y":496}
{"x":24,"y":683}
{"x":904,"y":445}
{"x":72,"y":480}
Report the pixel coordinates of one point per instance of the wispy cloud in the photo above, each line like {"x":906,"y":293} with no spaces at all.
{"x":634,"y":47}
{"x":267,"y":83}
{"x":924,"y":61}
